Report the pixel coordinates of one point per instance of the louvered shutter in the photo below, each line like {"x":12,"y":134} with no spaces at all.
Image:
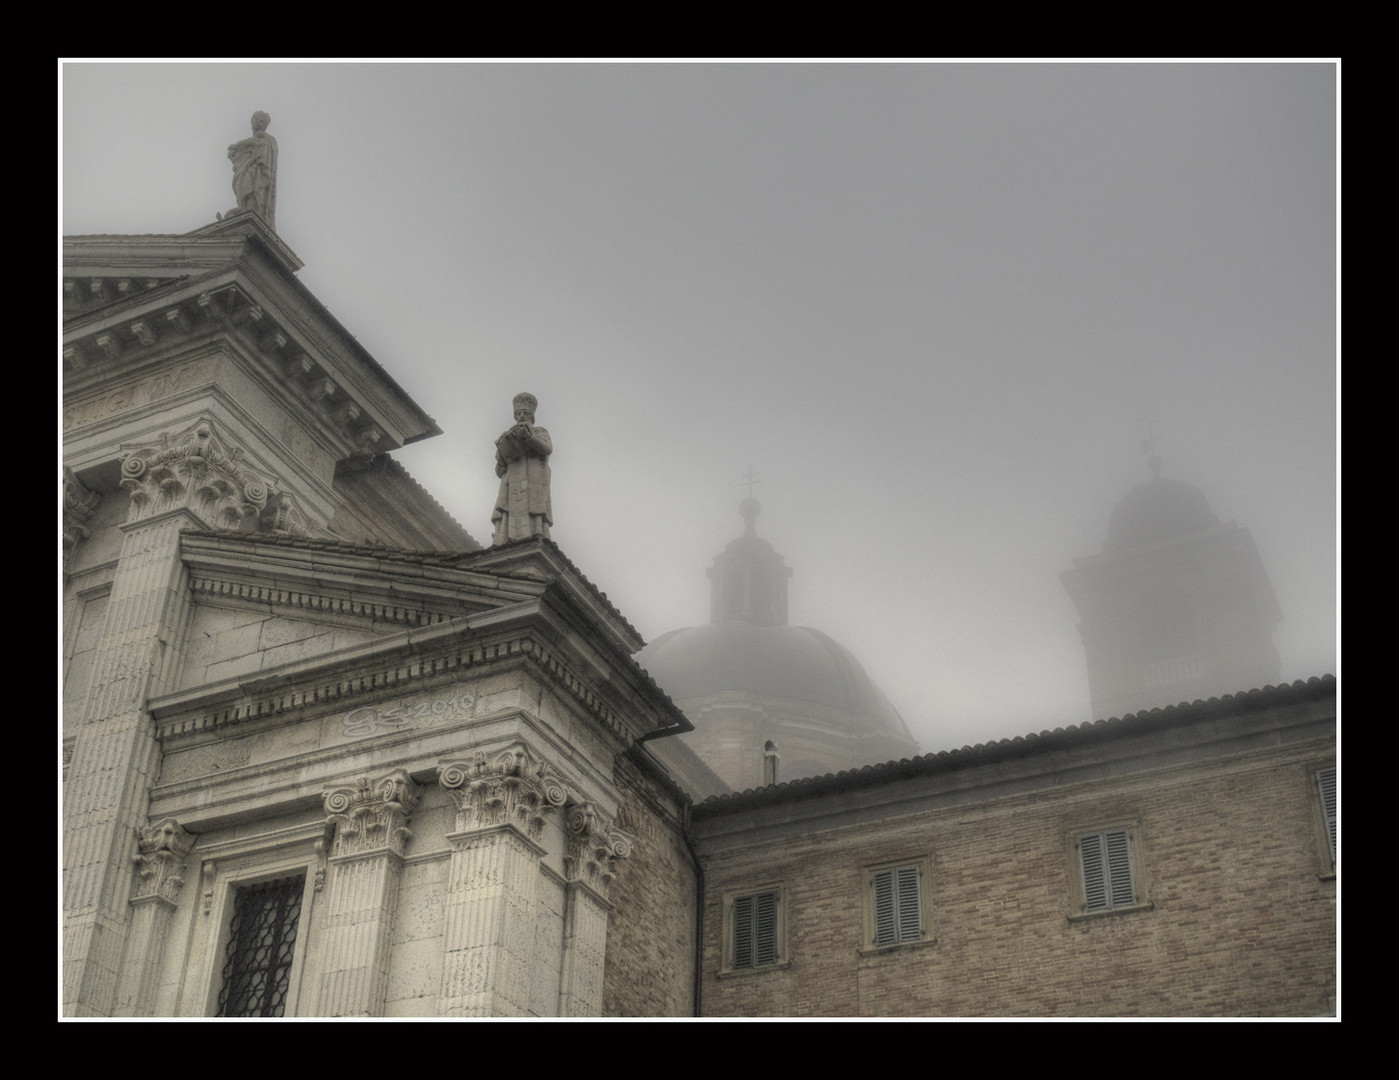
{"x":765,"y":930}
{"x":1106,"y":858}
{"x":910,"y":910}
{"x":743,"y":932}
{"x":898,"y":913}
{"x":886,"y":928}
{"x":755,"y":930}
{"x":1326,"y":783}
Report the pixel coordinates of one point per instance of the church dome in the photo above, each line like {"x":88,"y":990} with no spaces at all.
{"x":750,"y":683}
{"x":790,"y":663}
{"x":1159,"y":509}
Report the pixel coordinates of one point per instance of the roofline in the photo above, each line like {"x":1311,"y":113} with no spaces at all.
{"x":1317,"y":688}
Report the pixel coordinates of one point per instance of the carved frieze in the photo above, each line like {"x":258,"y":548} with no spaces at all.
{"x":593,"y":848}
{"x":507,"y":788}
{"x":78,"y":505}
{"x":160,"y":860}
{"x":372,"y":815}
{"x":198,"y":470}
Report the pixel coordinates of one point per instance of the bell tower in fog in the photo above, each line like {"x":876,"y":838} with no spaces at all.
{"x":1176,"y":607}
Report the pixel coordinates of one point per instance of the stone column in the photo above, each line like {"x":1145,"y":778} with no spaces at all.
{"x":160,"y":867}
{"x":370,"y":825}
{"x":488,"y":950}
{"x":593,"y":849}
{"x":115,"y":760}
{"x":186,"y":480}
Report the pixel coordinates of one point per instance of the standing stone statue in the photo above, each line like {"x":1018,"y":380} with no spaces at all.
{"x":522,"y":462}
{"x":255,"y":171}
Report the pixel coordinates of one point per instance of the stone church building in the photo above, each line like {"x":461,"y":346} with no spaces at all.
{"x":325,"y":755}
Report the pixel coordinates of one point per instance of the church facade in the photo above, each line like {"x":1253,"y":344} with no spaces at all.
{"x":325,"y":755}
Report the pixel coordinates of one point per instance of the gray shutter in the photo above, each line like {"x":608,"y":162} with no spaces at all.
{"x":898,"y":914}
{"x":885,"y":926}
{"x":910,"y":910}
{"x":1326,"y":782}
{"x":765,"y":935}
{"x":743,"y":931}
{"x":1106,"y":858}
{"x":1095,"y":892}
{"x":1119,"y":857}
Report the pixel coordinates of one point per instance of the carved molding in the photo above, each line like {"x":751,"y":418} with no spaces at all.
{"x":198,"y":470}
{"x":593,"y":848}
{"x":78,"y":506}
{"x":372,"y":815}
{"x":160,"y":861}
{"x":510,"y":787}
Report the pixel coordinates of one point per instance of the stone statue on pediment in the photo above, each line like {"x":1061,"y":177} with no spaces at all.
{"x":522,"y":507}
{"x":255,"y":171}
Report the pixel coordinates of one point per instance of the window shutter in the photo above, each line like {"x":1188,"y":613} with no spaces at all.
{"x":1326,"y":782}
{"x":898,"y":914}
{"x":755,"y":930}
{"x":910,"y":910}
{"x":1106,"y":858}
{"x":765,"y":935}
{"x":1095,"y":893}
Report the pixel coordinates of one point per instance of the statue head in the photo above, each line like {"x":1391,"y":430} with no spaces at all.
{"x":260,"y":121}
{"x":526,"y":403}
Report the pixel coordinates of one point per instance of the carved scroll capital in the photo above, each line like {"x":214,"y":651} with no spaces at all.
{"x":372,"y":815}
{"x":160,"y":860}
{"x":510,"y":787}
{"x":199,"y":470}
{"x":593,"y":848}
{"x":78,"y":506}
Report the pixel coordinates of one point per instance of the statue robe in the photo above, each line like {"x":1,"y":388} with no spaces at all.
{"x":522,"y":506}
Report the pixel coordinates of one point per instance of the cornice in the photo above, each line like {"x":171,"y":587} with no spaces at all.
{"x":131,"y":336}
{"x":399,"y":663}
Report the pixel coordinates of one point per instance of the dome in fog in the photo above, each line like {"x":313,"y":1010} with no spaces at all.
{"x":1159,"y":509}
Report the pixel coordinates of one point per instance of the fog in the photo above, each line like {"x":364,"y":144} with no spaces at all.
{"x":937,"y":308}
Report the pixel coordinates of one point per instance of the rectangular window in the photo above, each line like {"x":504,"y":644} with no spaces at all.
{"x":1109,"y":879}
{"x":755,"y":930}
{"x":897,"y":904}
{"x":1326,"y":789}
{"x":261,"y":945}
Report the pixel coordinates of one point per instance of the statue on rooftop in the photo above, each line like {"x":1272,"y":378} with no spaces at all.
{"x":255,"y":171}
{"x":522,"y":454}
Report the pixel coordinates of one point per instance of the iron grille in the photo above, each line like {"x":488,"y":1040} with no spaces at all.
{"x":261,"y":943}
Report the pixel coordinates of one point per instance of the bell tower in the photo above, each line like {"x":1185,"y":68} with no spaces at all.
{"x":1177,"y":605}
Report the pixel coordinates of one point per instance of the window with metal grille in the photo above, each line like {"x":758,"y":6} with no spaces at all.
{"x":1108,"y":876}
{"x":898,"y":905}
{"x":755,"y":930}
{"x":1326,"y":788}
{"x":261,"y":944}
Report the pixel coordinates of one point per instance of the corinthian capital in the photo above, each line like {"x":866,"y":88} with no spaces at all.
{"x":160,"y":860}
{"x":372,"y":815}
{"x":78,"y":505}
{"x":198,"y":470}
{"x":510,"y":787}
{"x":593,"y":848}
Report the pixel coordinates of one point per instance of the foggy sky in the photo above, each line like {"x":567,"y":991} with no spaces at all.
{"x":932,"y":305}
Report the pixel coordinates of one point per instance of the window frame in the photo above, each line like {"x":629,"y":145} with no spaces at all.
{"x":729,"y":964}
{"x":1130,"y":861}
{"x":294,"y":886}
{"x":224,"y":878}
{"x":921,"y":869}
